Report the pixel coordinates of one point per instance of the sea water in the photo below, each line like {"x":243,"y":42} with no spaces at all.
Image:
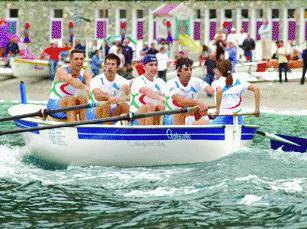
{"x":253,"y":187}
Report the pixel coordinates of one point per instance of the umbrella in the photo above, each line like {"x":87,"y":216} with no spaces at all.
{"x":112,"y":38}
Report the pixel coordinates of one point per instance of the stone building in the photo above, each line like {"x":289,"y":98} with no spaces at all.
{"x":49,"y":20}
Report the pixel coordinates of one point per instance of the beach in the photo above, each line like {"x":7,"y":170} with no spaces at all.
{"x":275,"y":96}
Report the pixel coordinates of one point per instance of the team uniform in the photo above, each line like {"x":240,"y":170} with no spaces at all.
{"x":60,"y":90}
{"x":231,"y":99}
{"x":137,"y":99}
{"x":191,"y":91}
{"x":112,"y":88}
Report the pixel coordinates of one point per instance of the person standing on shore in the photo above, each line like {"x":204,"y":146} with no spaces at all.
{"x":304,"y":57}
{"x":163,"y":60}
{"x":265,"y":34}
{"x":67,"y":83}
{"x":282,"y":60}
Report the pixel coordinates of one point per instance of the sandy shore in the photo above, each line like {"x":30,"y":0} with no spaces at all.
{"x":274,"y":96}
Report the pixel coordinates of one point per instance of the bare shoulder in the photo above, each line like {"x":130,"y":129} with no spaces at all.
{"x":61,"y":74}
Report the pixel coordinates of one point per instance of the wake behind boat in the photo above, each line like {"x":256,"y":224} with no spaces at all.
{"x":125,"y":145}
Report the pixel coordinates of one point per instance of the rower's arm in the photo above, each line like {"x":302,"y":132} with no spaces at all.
{"x":61,"y":75}
{"x":209,"y":90}
{"x":256,"y":91}
{"x":185,"y":102}
{"x":151,"y":94}
{"x":99,"y":95}
{"x":87,"y":77}
{"x":218,"y":99}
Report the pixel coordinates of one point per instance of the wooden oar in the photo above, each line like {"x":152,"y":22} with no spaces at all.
{"x":45,"y":112}
{"x":128,"y":117}
{"x":275,"y":137}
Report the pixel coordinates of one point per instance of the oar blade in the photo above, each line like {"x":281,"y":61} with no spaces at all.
{"x":300,"y":143}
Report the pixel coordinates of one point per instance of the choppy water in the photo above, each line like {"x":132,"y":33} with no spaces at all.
{"x":253,"y":187}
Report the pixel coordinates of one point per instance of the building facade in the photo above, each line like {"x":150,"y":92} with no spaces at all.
{"x":51,"y":20}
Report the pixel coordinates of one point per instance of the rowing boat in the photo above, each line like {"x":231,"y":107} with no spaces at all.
{"x":127,"y":145}
{"x":23,"y":68}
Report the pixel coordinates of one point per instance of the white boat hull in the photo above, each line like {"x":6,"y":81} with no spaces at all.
{"x":30,"y":68}
{"x":112,"y":145}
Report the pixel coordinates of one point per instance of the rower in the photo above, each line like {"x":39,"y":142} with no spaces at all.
{"x":185,"y":92}
{"x":228,"y":91}
{"x":148,"y":92}
{"x":109,"y":87}
{"x":67,"y":84}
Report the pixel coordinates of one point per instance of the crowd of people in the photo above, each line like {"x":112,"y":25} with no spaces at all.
{"x":72,"y":85}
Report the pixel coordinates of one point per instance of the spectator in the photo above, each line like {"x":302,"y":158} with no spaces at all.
{"x":96,"y":63}
{"x":282,"y":60}
{"x":53,"y":53}
{"x":163,"y":60}
{"x":265,"y":34}
{"x":144,"y":50}
{"x":232,"y":53}
{"x":152,"y":49}
{"x":220,"y":45}
{"x":128,"y":54}
{"x":241,"y":37}
{"x":304,"y":57}
{"x":248,"y":46}
{"x":210,"y":64}
{"x":115,"y":45}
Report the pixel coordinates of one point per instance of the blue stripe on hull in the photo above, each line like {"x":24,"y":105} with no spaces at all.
{"x":26,"y":124}
{"x":103,"y":130}
{"x":149,"y":137}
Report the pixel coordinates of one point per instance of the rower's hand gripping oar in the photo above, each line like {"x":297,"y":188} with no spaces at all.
{"x":45,"y":112}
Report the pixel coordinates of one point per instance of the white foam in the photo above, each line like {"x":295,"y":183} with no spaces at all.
{"x":160,"y":192}
{"x":288,"y":186}
{"x":250,"y":199}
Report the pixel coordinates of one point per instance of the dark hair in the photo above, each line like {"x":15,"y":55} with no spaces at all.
{"x":72,"y":52}
{"x":184,"y":61}
{"x":112,"y":56}
{"x":225,"y":68}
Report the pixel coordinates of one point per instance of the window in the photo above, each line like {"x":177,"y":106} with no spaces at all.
{"x":197,"y":14}
{"x":228,"y":14}
{"x":259,"y":13}
{"x":58,"y":13}
{"x":275,"y":13}
{"x":244,"y":13}
{"x":103,"y":13}
{"x":122,"y":14}
{"x":139,"y":14}
{"x":212,"y":14}
{"x":291,"y":13}
{"x":13,"y":13}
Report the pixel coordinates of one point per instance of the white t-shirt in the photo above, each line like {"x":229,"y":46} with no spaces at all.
{"x":162,"y":59}
{"x":137,"y":99}
{"x":231,"y":96}
{"x":233,"y":37}
{"x":191,"y":91}
{"x":112,"y":88}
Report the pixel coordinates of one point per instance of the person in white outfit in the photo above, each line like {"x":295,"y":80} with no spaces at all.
{"x":265,"y":32}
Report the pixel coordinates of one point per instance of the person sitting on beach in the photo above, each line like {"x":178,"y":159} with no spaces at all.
{"x":67,"y":84}
{"x":148,"y":92}
{"x":184,"y":92}
{"x":228,"y":91}
{"x":109,"y":87}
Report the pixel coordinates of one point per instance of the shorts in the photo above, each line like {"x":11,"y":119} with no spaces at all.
{"x":225,"y":120}
{"x":55,"y":104}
